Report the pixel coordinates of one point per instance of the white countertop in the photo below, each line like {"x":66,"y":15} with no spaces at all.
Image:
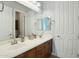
{"x":7,"y":50}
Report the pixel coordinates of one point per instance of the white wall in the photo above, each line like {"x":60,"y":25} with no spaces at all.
{"x":5,"y":23}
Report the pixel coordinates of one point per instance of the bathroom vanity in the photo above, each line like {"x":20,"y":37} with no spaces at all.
{"x":40,"y":51}
{"x":30,"y":48}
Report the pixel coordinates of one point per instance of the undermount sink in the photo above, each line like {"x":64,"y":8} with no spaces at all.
{"x":12,"y":47}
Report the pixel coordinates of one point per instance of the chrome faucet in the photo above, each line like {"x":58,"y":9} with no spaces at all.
{"x":22,"y":39}
{"x":14,"y":41}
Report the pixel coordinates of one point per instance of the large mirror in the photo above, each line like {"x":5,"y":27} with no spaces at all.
{"x":42,"y":25}
{"x":19,"y":24}
{"x":46,"y":24}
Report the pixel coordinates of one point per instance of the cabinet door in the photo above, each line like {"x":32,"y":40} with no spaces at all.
{"x":31,"y":53}
{"x":48,"y":48}
{"x":40,"y":51}
{"x":44,"y":50}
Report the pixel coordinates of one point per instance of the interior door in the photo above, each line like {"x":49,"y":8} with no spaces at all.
{"x":68,"y":29}
{"x":64,"y":29}
{"x":58,"y":32}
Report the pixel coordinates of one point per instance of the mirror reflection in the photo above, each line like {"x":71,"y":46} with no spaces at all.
{"x":19,"y":24}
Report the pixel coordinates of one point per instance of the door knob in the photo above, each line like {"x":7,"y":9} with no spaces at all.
{"x":78,"y":37}
{"x":58,"y":36}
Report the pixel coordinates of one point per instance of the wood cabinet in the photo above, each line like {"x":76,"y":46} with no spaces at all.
{"x":41,"y":51}
{"x":44,"y":50}
{"x":20,"y":56}
{"x":31,"y":53}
